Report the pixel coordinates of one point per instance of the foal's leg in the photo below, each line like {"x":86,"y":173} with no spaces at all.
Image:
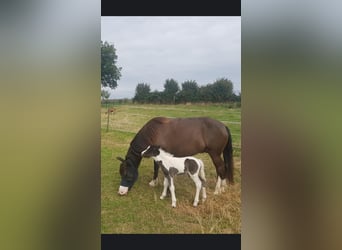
{"x":204,"y":194}
{"x":166,"y":185}
{"x":154,"y":181}
{"x":172,"y":190}
{"x":203,"y":180}
{"x":198,"y":184}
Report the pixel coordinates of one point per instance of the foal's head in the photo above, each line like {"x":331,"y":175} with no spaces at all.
{"x":151,"y":151}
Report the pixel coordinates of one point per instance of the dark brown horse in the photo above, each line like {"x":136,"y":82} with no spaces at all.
{"x":180,"y":137}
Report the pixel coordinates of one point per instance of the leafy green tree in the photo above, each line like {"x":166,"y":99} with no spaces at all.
{"x":222,"y":90}
{"x":142,"y":93}
{"x":170,"y":89}
{"x":104,"y":94}
{"x":155,"y":97}
{"x":189,"y":92}
{"x":110,"y":73}
{"x":235,"y":97}
{"x":206,"y":93}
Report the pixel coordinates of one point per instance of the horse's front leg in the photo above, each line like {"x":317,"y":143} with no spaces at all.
{"x":154,"y":181}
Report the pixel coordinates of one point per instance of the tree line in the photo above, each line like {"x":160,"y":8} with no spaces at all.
{"x":219,"y":91}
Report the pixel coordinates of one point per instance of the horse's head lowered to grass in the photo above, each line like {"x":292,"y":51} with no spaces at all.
{"x":129,"y":174}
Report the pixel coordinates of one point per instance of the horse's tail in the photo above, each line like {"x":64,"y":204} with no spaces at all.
{"x":228,"y":158}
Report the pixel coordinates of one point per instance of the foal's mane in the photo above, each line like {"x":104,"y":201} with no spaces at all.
{"x":165,"y":153}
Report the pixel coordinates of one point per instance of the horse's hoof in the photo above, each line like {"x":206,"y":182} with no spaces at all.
{"x":162,"y":197}
{"x":153,"y":183}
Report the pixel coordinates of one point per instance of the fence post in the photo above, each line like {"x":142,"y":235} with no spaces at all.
{"x":107,"y":119}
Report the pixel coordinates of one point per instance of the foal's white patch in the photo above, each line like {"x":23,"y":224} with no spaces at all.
{"x":123,"y":190}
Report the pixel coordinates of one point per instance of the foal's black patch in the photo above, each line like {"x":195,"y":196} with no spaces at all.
{"x":191,"y":166}
{"x":163,"y":168}
{"x":173,"y":171}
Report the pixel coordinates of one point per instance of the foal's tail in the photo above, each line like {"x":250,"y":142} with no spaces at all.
{"x":228,"y":158}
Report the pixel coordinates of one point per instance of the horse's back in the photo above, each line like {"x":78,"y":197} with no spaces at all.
{"x":185,"y":123}
{"x":186,"y":136}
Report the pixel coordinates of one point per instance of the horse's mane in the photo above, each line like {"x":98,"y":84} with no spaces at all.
{"x":160,"y":119}
{"x":147,"y":133}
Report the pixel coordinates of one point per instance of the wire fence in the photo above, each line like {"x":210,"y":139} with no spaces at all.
{"x":125,"y":124}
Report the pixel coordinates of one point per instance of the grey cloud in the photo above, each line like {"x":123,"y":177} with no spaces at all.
{"x":152,"y":49}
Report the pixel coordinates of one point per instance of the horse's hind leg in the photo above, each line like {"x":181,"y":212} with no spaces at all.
{"x":220,"y":170}
{"x":223,"y":184}
{"x":154,"y":181}
{"x":218,"y":185}
{"x":219,"y":165}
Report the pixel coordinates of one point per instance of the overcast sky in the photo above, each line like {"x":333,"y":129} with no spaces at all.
{"x":153,"y":49}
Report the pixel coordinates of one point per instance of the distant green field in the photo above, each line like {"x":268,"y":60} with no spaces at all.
{"x":141,"y":211}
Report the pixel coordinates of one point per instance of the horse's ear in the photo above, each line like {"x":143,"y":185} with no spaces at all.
{"x":120,"y":159}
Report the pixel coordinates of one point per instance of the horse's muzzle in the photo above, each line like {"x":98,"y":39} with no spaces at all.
{"x":123,"y":190}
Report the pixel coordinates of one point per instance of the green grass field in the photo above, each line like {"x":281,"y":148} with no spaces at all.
{"x":141,"y":211}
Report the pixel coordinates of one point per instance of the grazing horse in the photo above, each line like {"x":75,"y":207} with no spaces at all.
{"x":180,"y":137}
{"x":172,"y":166}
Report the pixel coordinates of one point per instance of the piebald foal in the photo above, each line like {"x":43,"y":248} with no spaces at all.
{"x":172,"y":166}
